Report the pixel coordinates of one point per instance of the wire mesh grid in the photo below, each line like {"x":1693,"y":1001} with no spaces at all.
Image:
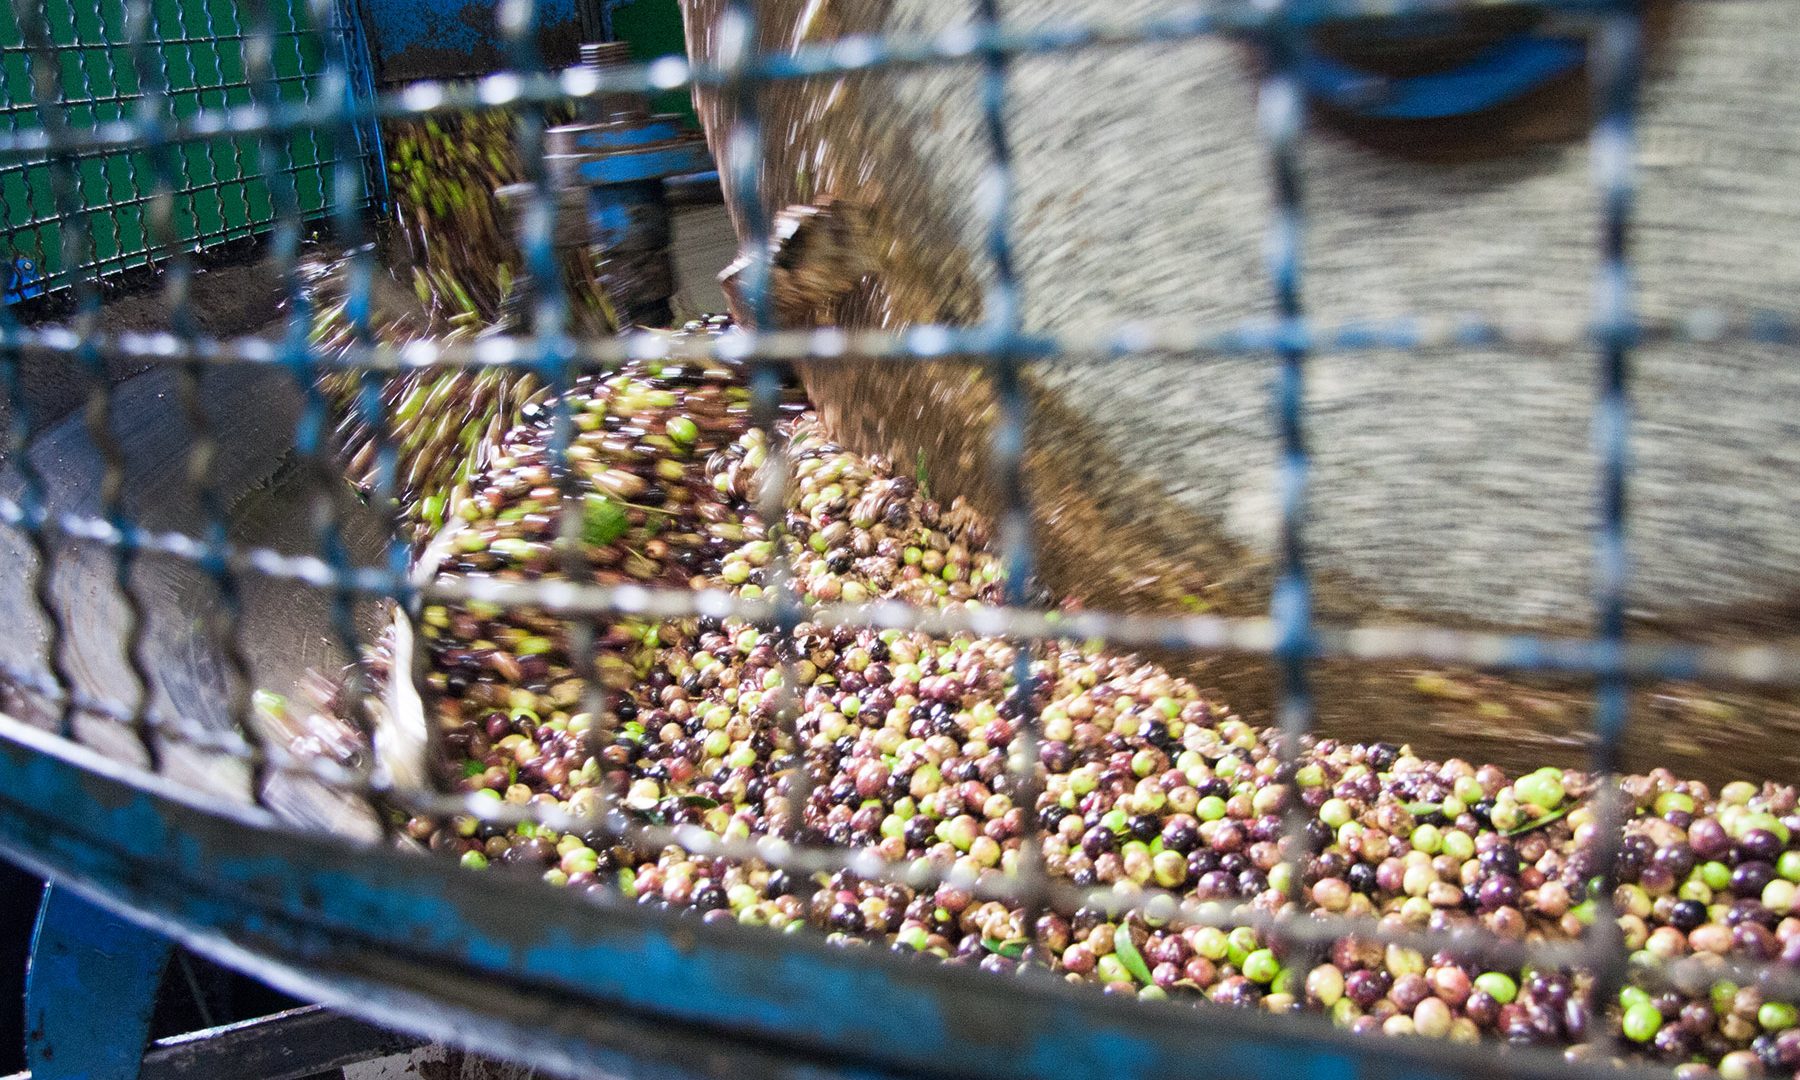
{"x":295,"y":136}
{"x":138,"y":67}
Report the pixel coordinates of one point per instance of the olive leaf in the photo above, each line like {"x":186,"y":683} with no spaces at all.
{"x":1129,"y":955}
{"x":1539,"y":823}
{"x":1011,"y":948}
{"x":602,"y":520}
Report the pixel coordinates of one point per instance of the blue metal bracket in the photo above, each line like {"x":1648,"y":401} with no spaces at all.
{"x":90,"y":990}
{"x":22,"y":281}
{"x":653,"y":151}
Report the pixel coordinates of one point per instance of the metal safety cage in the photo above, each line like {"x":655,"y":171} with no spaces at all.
{"x":139,"y":66}
{"x":606,"y":987}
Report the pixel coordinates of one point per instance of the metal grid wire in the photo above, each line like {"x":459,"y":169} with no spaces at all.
{"x":289,"y":135}
{"x":139,"y":66}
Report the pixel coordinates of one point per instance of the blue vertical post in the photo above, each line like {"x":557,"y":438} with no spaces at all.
{"x":1003,"y":324}
{"x":1616,"y":65}
{"x":89,"y":991}
{"x":1281,"y":104}
{"x":349,"y":35}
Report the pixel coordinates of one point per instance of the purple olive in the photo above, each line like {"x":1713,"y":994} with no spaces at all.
{"x":1786,"y":1052}
{"x":1749,"y":878}
{"x":1498,"y":891}
{"x":1677,"y":859}
{"x":1216,"y":885}
{"x":1236,"y":991}
{"x":1502,"y":858}
{"x":1754,"y":941}
{"x":1751,"y":911}
{"x":1674,"y":1043}
{"x":1181,"y":834}
{"x":1409,"y":990}
{"x":1685,"y":915}
{"x":1367,"y":987}
{"x":1708,"y":839}
{"x":1698,"y":1018}
{"x":1759,"y":845}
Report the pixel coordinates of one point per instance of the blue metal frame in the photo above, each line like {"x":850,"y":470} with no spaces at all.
{"x":359,"y":66}
{"x":628,"y":209}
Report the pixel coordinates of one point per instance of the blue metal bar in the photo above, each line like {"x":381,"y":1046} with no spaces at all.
{"x":1770,"y":666}
{"x":740,"y":92}
{"x":1612,"y":147}
{"x":1612,"y":150}
{"x":151,"y":82}
{"x":351,"y":34}
{"x":167,"y":170}
{"x":938,"y":343}
{"x":90,"y":991}
{"x":290,"y":350}
{"x":1002,"y":321}
{"x":1282,"y":109}
{"x":553,"y":360}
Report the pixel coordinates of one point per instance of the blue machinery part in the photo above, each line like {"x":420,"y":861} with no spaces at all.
{"x":434,"y":39}
{"x":91,"y":989}
{"x":610,"y":172}
{"x":609,"y":989}
{"x":418,"y":944}
{"x":1506,"y":71}
{"x":22,"y":281}
{"x":623,"y":166}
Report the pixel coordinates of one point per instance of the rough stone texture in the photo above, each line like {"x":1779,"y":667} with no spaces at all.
{"x":1452,"y":487}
